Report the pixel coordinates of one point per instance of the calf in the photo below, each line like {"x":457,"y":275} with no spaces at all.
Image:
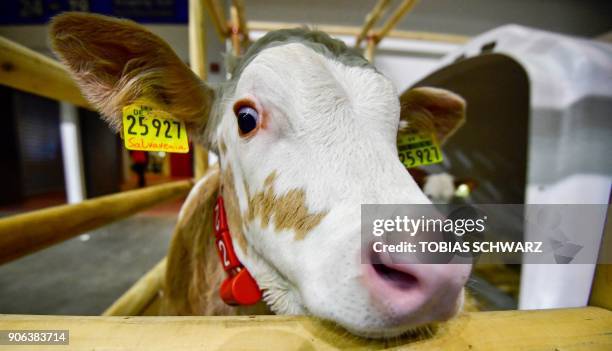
{"x":306,"y":132}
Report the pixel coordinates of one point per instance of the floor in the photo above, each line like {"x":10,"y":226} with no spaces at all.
{"x":85,"y":275}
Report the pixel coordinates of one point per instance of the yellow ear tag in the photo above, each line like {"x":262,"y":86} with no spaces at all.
{"x":147,"y":128}
{"x":418,"y":149}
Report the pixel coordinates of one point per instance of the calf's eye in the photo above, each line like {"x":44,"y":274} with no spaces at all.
{"x":247,"y":119}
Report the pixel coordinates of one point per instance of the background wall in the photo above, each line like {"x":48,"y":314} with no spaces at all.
{"x":400,"y":59}
{"x":467,"y":17}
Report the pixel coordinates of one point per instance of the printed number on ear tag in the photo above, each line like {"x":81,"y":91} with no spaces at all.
{"x":149,"y":129}
{"x":418,"y":149}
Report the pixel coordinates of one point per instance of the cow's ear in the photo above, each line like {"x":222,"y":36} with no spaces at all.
{"x":432,"y":110}
{"x":116,"y":62}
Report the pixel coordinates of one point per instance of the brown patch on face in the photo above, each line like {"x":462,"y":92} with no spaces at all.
{"x":289,"y":209}
{"x":232,"y":209}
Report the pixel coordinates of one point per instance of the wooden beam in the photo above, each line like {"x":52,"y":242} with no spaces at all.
{"x":235,"y":30}
{"x":28,"y":70}
{"x":134,"y":301}
{"x":588,"y":328}
{"x":601,"y":290}
{"x":405,"y":7}
{"x":154,"y":308}
{"x":429,"y":36}
{"x":370,"y":49}
{"x":33,"y":231}
{"x":197,"y":60}
{"x":200,"y":161}
{"x":197,"y":39}
{"x":239,"y":31}
{"x":242,"y":22}
{"x":371,"y":19}
{"x":218,"y":17}
{"x":353,"y":31}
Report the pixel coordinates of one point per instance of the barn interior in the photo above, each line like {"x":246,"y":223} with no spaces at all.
{"x":57,"y":153}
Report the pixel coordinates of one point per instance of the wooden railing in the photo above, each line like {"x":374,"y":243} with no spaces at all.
{"x":27,"y":70}
{"x":29,"y":232}
{"x":354,"y":31}
{"x":373,"y":37}
{"x":141,"y":295}
{"x":585,"y":329}
{"x":601,"y":289}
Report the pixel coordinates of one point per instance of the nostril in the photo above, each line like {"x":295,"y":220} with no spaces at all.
{"x":397,"y":279}
{"x":390,"y":275}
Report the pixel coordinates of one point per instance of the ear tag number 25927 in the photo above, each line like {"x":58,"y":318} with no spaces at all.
{"x":417,"y":149}
{"x":149,"y":129}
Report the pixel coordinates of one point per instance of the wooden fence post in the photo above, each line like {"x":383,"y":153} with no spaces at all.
{"x":197,"y":60}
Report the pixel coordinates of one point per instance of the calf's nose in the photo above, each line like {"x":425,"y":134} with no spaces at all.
{"x":416,"y":294}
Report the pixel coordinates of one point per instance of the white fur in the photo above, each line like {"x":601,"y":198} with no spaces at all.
{"x":440,"y":188}
{"x":331,"y":130}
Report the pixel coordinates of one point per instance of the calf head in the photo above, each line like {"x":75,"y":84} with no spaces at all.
{"x":306,"y":132}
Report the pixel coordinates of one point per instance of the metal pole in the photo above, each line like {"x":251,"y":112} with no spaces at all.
{"x":71,"y":152}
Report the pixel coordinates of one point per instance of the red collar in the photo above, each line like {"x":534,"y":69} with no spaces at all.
{"x":239,"y":288}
